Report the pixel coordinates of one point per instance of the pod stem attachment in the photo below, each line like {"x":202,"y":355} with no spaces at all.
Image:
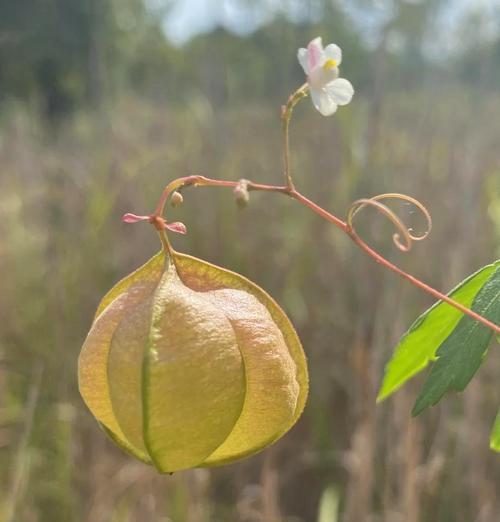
{"x":403,"y":237}
{"x":346,"y":226}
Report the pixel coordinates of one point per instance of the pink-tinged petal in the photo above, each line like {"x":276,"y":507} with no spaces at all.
{"x":302,"y":57}
{"x":134,"y":218}
{"x":340,"y":90}
{"x":321,"y":76}
{"x":314,"y":53}
{"x":177,"y":227}
{"x":323,"y":102}
{"x":333,"y":52}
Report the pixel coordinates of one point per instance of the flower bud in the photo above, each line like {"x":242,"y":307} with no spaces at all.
{"x":176,"y":199}
{"x":241,"y":193}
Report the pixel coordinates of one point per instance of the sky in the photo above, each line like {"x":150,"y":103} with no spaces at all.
{"x":191,"y":17}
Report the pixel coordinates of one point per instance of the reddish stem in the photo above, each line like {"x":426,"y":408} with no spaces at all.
{"x":346,"y":228}
{"x":420,"y":284}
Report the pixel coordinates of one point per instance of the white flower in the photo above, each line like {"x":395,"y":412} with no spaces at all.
{"x":321,"y":66}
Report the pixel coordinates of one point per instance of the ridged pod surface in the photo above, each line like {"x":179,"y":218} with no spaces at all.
{"x":188,"y":365}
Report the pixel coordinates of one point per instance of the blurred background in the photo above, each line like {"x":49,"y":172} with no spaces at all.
{"x":102,"y":102}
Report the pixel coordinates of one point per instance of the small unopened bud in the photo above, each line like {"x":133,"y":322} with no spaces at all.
{"x":176,"y":199}
{"x":241,"y":193}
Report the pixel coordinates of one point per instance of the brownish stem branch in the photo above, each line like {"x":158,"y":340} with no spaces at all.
{"x":345,"y":227}
{"x":420,"y":284}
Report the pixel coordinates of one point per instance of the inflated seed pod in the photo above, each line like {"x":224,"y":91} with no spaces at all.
{"x":187,"y":365}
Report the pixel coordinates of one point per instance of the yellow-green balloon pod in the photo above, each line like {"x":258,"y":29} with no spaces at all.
{"x":188,"y":365}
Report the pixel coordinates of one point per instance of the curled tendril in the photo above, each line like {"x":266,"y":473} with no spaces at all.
{"x":404,"y":235}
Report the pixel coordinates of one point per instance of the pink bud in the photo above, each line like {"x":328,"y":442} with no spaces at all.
{"x":133,"y":218}
{"x":178,"y":227}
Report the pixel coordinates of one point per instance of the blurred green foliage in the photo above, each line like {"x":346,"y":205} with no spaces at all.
{"x":61,"y":55}
{"x":69,"y":171}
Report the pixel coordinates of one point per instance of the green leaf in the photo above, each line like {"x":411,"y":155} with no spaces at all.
{"x":495,"y":434}
{"x":461,"y":354}
{"x":419,"y":344}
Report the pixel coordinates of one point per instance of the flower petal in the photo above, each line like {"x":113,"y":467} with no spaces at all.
{"x":340,"y":91}
{"x":333,"y":52}
{"x":302,"y":57}
{"x":319,"y":77}
{"x":323,"y":102}
{"x":315,"y":54}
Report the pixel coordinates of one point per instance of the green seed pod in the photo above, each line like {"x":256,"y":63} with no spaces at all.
{"x":188,"y":365}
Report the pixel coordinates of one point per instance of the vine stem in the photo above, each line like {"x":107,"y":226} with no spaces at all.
{"x":289,"y":190}
{"x":286,"y":116}
{"x":325,"y":214}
